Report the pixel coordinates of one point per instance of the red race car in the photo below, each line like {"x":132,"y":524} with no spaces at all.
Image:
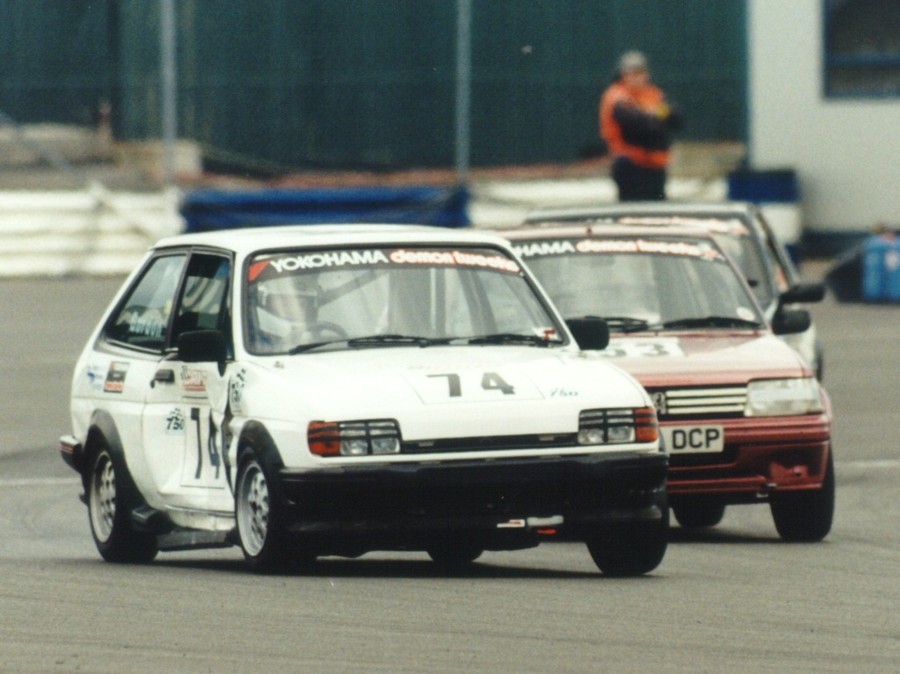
{"x":743,"y":416}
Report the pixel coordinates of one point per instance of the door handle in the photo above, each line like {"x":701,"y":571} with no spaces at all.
{"x":164,"y":376}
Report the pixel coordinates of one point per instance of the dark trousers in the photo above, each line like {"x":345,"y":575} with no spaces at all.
{"x":636,"y":183}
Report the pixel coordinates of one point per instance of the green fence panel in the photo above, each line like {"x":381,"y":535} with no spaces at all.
{"x":324,"y":84}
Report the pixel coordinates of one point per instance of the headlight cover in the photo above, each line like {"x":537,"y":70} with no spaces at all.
{"x":617,"y":426}
{"x":783,"y":397}
{"x":354,"y":438}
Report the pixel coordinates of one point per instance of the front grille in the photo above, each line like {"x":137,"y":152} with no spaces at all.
{"x":720,"y":402}
{"x":485,"y":443}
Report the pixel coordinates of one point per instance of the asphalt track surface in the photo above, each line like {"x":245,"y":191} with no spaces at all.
{"x":734,"y":599}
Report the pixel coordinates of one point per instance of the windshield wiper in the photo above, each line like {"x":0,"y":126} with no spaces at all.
{"x":626,"y":323}
{"x":394,"y":340}
{"x":711,"y":322}
{"x":372,"y":340}
{"x":513,"y":338}
{"x":300,"y":348}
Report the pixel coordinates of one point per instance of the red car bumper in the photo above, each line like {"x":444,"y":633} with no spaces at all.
{"x":761,"y":456}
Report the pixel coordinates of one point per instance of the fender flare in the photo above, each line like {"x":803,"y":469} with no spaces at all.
{"x":255,"y":434}
{"x":102,"y":429}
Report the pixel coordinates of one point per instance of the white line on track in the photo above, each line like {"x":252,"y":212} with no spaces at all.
{"x":38,"y":481}
{"x":870,"y":463}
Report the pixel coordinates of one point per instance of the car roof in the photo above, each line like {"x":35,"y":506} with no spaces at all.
{"x":706,"y":209}
{"x":250,"y":239}
{"x":629,"y":231}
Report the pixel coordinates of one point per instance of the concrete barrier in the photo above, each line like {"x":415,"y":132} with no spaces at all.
{"x":91,"y":231}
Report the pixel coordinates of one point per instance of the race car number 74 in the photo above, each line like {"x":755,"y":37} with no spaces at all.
{"x":490,"y":381}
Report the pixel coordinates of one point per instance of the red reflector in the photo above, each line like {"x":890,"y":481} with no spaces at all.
{"x":646,"y":428}
{"x":323,"y":438}
{"x":546,"y":532}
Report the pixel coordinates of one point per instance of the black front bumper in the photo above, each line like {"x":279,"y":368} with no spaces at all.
{"x":503,"y":503}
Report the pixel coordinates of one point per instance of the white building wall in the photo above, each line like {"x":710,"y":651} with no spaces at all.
{"x":846,"y":151}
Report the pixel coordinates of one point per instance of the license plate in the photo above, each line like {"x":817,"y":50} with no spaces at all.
{"x":693,"y":439}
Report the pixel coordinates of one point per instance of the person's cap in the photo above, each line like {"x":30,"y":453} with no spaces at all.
{"x":631,"y":61}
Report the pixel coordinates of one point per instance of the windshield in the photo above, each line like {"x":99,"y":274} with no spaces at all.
{"x":733,"y":236}
{"x":301,"y":300}
{"x":746,"y":253}
{"x":642,"y":284}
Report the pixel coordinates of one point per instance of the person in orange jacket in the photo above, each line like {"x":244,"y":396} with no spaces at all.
{"x":637,"y":124}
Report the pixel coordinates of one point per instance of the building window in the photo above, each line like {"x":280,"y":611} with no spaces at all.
{"x":862,"y":48}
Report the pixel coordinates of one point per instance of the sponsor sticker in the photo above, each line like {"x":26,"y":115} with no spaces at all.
{"x":608,"y":246}
{"x":236,"y":389}
{"x":96,"y":376}
{"x":381,"y":257}
{"x":193,"y":380}
{"x":175,"y":422}
{"x":115,"y":377}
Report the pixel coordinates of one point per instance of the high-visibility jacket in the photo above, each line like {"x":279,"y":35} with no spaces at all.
{"x":638,"y":124}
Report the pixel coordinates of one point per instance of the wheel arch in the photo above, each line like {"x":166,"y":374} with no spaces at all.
{"x":103,"y":432}
{"x":254,"y":434}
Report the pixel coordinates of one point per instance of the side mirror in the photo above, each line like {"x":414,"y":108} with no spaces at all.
{"x":203,"y":346}
{"x":591,"y":334}
{"x":803,"y":292}
{"x":791,"y":321}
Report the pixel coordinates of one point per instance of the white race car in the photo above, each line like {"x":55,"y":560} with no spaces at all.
{"x":330,"y":390}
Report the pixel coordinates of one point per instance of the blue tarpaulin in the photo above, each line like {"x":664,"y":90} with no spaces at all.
{"x":206,"y":210}
{"x":869,"y":272}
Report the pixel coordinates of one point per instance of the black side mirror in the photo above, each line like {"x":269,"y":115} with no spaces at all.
{"x":590,"y":333}
{"x":802,"y":292}
{"x":791,"y":321}
{"x":203,"y":346}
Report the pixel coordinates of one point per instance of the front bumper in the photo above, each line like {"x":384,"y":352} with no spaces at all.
{"x":500,"y":503}
{"x":72,"y":452}
{"x":761,"y":456}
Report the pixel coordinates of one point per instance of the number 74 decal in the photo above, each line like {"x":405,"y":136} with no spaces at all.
{"x":490,"y":381}
{"x":473,"y":386}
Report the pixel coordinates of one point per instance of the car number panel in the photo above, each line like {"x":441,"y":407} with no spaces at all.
{"x":696,"y":439}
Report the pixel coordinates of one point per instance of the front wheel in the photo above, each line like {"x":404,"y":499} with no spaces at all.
{"x":805,"y":517}
{"x":455,"y":555}
{"x":630,"y":548}
{"x":110,"y":498}
{"x":258,"y":517}
{"x":697,"y":513}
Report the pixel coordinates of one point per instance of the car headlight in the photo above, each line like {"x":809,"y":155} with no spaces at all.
{"x":782,"y":397}
{"x":619,"y":426}
{"x":353,"y":438}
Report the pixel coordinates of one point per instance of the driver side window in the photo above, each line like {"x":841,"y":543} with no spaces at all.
{"x":203,"y":302}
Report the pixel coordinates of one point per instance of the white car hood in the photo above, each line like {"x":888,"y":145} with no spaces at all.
{"x":443,"y":391}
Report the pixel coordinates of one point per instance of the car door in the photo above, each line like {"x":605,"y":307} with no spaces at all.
{"x":122,"y":366}
{"x":182,"y":419}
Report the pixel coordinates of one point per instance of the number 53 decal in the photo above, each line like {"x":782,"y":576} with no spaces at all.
{"x":643,"y":348}
{"x":444,"y":387}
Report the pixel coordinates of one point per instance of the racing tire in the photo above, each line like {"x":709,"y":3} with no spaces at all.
{"x":111,"y":497}
{"x":630,"y":548}
{"x":259,"y":518}
{"x":698,"y":513}
{"x":806,"y":517}
{"x":455,"y":556}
